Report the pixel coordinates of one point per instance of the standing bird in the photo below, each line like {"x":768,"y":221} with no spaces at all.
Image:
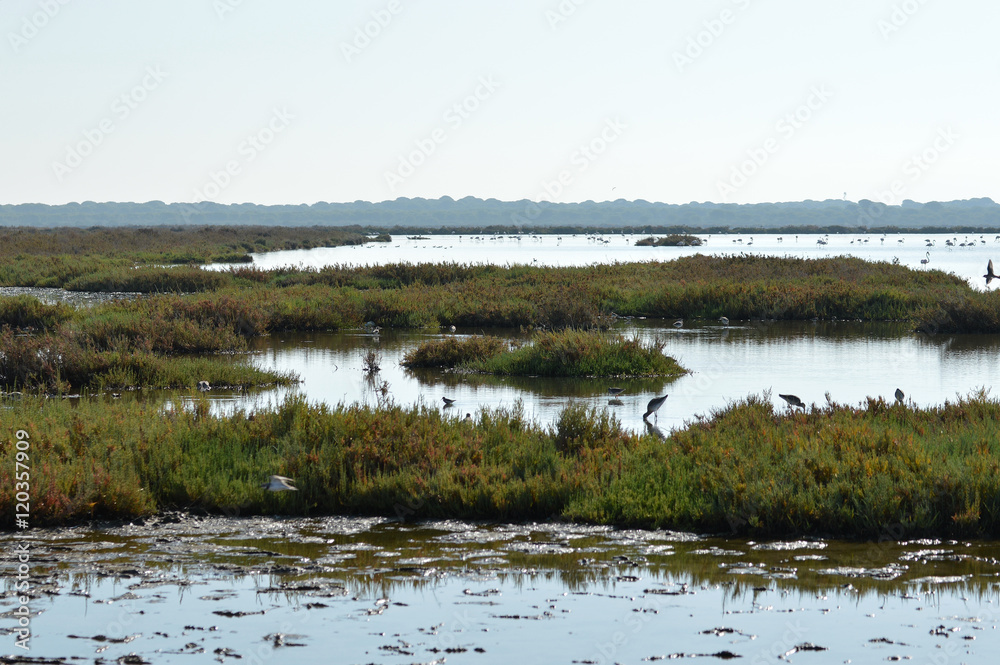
{"x":989,"y":273}
{"x":203,"y":386}
{"x":900,"y":396}
{"x":793,"y":401}
{"x":654,"y":406}
{"x":927,"y":260}
{"x":447,"y":402}
{"x":279,"y":484}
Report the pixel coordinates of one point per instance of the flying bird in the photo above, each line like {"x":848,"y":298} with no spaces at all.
{"x":279,"y":484}
{"x":724,"y":320}
{"x":900,"y":396}
{"x":203,"y":386}
{"x":678,"y":323}
{"x":654,"y":406}
{"x":990,"y":276}
{"x":615,"y":392}
{"x":793,"y":401}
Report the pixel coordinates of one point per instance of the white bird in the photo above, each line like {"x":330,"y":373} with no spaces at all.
{"x":678,"y":323}
{"x":724,"y":320}
{"x":203,"y":386}
{"x":654,"y":406}
{"x":279,"y":484}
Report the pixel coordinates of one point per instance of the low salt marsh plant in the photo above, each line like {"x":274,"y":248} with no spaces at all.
{"x":749,"y":469}
{"x":454,"y":352}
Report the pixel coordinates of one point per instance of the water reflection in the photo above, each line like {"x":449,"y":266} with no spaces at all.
{"x":375,"y":590}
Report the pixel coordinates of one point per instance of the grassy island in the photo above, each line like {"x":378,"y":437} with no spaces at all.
{"x":672,"y":240}
{"x":559,"y":353}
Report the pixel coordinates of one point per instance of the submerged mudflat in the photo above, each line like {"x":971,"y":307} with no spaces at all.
{"x":384,"y":591}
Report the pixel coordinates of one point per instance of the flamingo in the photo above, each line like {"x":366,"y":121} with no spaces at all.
{"x":927,"y":260}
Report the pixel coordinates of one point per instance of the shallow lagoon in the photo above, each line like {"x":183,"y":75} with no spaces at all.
{"x":968,"y":261}
{"x":353,"y":590}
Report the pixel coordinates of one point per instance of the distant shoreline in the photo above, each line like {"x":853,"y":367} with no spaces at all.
{"x":472,"y":215}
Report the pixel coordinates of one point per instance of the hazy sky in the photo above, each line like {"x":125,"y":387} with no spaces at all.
{"x":302,"y":101}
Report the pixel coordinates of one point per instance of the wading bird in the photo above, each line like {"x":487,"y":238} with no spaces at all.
{"x":279,"y":484}
{"x":724,"y":320}
{"x":678,"y":323}
{"x":654,"y":406}
{"x":615,"y":392}
{"x":447,"y":402}
{"x":989,"y":273}
{"x":900,"y":396}
{"x":927,"y":260}
{"x":793,"y":401}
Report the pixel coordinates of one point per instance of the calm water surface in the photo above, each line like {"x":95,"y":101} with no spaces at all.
{"x":346,"y":590}
{"x":850,"y":361}
{"x":968,"y":262}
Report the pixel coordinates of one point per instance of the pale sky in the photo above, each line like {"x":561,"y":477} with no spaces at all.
{"x":302,"y":101}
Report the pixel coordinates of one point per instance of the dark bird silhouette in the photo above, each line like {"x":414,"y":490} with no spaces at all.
{"x":900,"y":396}
{"x":793,"y":401}
{"x":990,"y":276}
{"x":927,"y":260}
{"x":654,"y":406}
{"x":447,"y":402}
{"x":615,"y":392}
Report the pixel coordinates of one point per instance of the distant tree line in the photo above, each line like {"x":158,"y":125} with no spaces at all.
{"x":473,"y":215}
